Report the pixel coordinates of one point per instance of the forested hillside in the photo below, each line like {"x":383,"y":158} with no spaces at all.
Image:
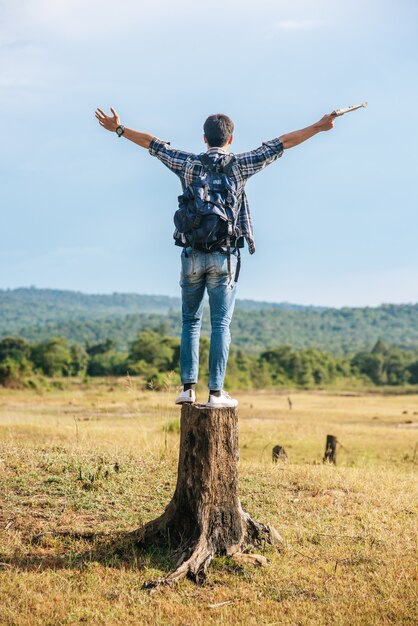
{"x":39,"y":314}
{"x":29,"y":306}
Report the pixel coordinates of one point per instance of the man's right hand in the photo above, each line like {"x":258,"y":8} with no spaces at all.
{"x":109,"y":123}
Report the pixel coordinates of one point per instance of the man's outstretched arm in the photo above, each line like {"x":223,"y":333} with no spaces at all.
{"x":175,"y":160}
{"x":289,"y":140}
{"x":111,"y":123}
{"x":256,"y":160}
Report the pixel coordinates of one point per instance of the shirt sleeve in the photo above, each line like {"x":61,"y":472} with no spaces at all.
{"x":175,"y":160}
{"x":254,"y":161}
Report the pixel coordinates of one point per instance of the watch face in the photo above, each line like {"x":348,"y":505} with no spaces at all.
{"x":119,"y":131}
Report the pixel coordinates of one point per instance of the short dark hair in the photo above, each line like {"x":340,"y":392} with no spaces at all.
{"x":218,"y":129}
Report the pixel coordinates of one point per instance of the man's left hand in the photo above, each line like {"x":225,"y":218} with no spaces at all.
{"x":326,"y":122}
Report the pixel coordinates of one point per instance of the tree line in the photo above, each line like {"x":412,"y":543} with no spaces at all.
{"x":153,"y":355}
{"x":41,"y":315}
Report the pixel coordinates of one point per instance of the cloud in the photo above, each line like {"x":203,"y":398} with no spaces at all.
{"x":18,"y":83}
{"x":299,"y":24}
{"x":89,"y":20}
{"x":6,"y":41}
{"x":86,"y":19}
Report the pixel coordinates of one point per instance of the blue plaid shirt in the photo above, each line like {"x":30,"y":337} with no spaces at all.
{"x":188,"y":167}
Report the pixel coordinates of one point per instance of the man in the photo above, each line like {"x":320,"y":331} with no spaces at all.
{"x":215,"y":270}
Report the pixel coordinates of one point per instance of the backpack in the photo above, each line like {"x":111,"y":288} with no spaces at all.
{"x":208,"y":208}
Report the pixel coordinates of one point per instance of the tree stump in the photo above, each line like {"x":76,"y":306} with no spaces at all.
{"x":205,"y":516}
{"x":330,"y":450}
{"x":278,"y":453}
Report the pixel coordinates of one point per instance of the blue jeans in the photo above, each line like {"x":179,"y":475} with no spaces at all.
{"x":200,"y":270}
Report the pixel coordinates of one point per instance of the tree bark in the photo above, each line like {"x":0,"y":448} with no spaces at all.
{"x":330,"y":455}
{"x":278,"y":453}
{"x":205,"y":516}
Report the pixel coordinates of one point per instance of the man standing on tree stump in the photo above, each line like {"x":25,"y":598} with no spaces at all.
{"x":213,"y":179}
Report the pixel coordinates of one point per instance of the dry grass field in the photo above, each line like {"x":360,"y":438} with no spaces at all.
{"x":80,"y":466}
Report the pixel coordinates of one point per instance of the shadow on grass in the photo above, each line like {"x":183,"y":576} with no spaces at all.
{"x":77,"y":551}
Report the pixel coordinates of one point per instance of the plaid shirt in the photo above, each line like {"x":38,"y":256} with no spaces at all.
{"x":188,"y":167}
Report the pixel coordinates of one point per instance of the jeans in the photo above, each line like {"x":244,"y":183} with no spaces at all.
{"x":200,"y":270}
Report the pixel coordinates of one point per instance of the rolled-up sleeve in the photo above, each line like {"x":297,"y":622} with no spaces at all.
{"x":252,"y":162}
{"x":175,"y":160}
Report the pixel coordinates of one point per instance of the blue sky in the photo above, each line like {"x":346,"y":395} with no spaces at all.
{"x":336,"y":219}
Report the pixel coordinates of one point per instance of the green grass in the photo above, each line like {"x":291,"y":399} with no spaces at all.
{"x":81,"y":466}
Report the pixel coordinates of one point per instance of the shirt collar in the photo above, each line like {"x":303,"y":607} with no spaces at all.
{"x":215,"y":149}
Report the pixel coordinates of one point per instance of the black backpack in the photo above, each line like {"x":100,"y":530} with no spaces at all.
{"x":208,"y":208}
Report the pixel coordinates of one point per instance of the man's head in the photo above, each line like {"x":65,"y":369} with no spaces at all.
{"x":218,"y":130}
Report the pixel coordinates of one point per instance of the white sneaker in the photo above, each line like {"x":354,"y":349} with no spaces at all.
{"x":224,"y":400}
{"x":186,"y":396}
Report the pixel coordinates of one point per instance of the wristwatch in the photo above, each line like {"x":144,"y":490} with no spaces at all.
{"x":120,"y":130}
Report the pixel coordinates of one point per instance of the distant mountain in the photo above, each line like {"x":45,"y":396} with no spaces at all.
{"x":257,"y":305}
{"x":39,"y":314}
{"x":29,"y":305}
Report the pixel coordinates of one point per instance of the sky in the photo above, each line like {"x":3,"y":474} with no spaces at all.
{"x":335,"y":219}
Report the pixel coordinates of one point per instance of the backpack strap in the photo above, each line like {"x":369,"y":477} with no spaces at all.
{"x":238,"y":268}
{"x":230,"y":162}
{"x":207,"y":162}
{"x":238,"y":265}
{"x":228,"y":252}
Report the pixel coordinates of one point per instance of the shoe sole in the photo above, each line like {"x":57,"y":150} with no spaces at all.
{"x":221,"y":405}
{"x":184,"y":401}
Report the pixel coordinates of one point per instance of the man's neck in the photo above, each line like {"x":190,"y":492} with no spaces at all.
{"x":219,"y":148}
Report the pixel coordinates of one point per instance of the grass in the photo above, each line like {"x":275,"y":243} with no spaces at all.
{"x":80,"y":466}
